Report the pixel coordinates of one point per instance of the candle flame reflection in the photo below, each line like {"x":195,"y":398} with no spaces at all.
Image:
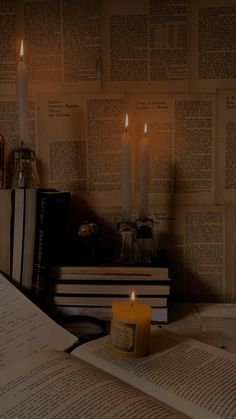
{"x":132,"y":298}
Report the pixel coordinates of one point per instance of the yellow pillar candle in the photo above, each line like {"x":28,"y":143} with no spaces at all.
{"x":130,"y":328}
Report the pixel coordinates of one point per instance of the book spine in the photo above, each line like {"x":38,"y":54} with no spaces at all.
{"x":109,"y":277}
{"x":38,"y":280}
{"x":18,"y":236}
{"x":88,"y":271}
{"x":109,"y":289}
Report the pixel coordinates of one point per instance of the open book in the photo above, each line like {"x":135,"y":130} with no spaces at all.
{"x":25,"y":329}
{"x":179,"y":378}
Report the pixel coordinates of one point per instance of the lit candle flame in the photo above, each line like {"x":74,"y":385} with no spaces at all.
{"x":132,"y":298}
{"x":126,"y":122}
{"x":22,"y":49}
{"x":145,"y":128}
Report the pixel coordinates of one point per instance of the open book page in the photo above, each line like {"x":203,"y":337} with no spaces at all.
{"x":25,"y":328}
{"x":53,"y":384}
{"x":191,"y":376}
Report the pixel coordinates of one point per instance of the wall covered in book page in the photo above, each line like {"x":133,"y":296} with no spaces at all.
{"x":168,"y":64}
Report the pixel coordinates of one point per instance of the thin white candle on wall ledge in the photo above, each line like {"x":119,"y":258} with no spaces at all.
{"x":22,"y":93}
{"x":144,"y":174}
{"x":126,"y":173}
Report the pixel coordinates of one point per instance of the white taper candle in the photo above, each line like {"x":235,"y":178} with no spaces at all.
{"x":126,"y":180}
{"x":22,"y":90}
{"x":144,"y":174}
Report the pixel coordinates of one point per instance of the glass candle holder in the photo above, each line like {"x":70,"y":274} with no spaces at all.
{"x":25,"y":175}
{"x":126,"y":238}
{"x":145,"y":242}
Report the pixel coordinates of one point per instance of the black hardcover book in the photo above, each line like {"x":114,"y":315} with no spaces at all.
{"x":50,"y":238}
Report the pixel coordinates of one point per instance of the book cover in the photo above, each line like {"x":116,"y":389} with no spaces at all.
{"x":5,"y":230}
{"x":51,"y":228}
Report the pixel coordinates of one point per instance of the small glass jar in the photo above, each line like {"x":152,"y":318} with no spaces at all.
{"x":145,"y":241}
{"x":126,"y":238}
{"x":25,"y":175}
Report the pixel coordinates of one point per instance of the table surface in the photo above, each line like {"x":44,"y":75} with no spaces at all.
{"x":211,"y":323}
{"x":214,"y":324}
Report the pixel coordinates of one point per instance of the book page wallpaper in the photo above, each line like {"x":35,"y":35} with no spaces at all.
{"x":169,"y":64}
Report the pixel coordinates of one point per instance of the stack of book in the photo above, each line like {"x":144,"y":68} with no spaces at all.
{"x":97,"y":286}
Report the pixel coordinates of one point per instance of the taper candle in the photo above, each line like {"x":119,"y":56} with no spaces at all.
{"x":130,"y":327}
{"x":22,"y":90}
{"x":126,"y":181}
{"x":144,"y":174}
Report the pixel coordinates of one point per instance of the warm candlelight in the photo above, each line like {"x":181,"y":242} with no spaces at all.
{"x":22,"y":90}
{"x":144,"y":175}
{"x":126,"y":181}
{"x":130,"y":327}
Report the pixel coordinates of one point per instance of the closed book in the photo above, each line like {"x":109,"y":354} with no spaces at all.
{"x":85,"y":287}
{"x":5,"y":230}
{"x":111,"y":271}
{"x":101,"y":300}
{"x":51,"y":228}
{"x":24,"y":221}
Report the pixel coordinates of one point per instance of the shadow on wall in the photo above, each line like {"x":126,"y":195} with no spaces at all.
{"x":191,"y":280}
